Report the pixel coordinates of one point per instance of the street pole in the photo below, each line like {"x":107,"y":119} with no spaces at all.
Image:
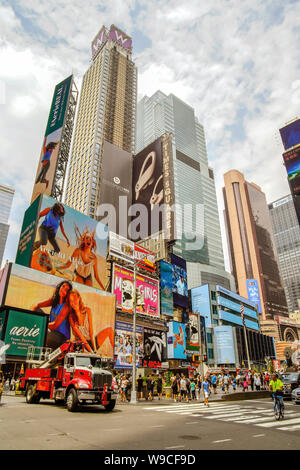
{"x":246,"y":339}
{"x":200,"y":347}
{"x":133,"y":389}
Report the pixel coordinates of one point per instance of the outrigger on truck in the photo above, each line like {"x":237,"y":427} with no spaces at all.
{"x":69,"y":375}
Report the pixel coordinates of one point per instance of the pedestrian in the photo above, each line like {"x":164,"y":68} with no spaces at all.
{"x":245,"y":384}
{"x":149,"y":388}
{"x":234,"y":384}
{"x":152,"y":386}
{"x":188,"y":386}
{"x":159,"y":385}
{"x":128,"y":387}
{"x":183,"y":389}
{"x":193,"y":389}
{"x":206,"y":391}
{"x":226,"y":382}
{"x":198,"y":387}
{"x":174,"y":385}
{"x":123,"y":388}
{"x":140,"y":383}
{"x":257,"y":382}
{"x":214,"y":383}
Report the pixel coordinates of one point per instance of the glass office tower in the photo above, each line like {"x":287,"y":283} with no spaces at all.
{"x":6,"y":198}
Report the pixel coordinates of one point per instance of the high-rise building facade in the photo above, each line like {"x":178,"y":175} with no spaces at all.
{"x":251,"y":244}
{"x":6,"y":198}
{"x":106,"y":112}
{"x":194,"y":185}
{"x":286,"y":231}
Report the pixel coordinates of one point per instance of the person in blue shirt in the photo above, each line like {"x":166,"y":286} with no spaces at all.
{"x":206,"y":391}
{"x":214,"y":383}
{"x":50,"y":225}
{"x":46,"y":163}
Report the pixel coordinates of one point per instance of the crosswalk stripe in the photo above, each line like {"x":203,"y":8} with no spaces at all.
{"x":291,"y":428}
{"x":185,"y":405}
{"x":285,"y":422}
{"x":202,"y":408}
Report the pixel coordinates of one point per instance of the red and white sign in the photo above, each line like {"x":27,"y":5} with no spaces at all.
{"x":146,"y":258}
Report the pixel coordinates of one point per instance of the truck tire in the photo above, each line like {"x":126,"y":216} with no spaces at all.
{"x":110,"y":406}
{"x":30,"y":394}
{"x":72,"y":400}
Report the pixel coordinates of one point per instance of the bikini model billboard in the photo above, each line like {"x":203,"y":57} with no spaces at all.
{"x":51,"y":144}
{"x":65,"y":243}
{"x":176,"y":340}
{"x":76,"y":311}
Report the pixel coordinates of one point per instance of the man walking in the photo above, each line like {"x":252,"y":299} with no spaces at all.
{"x":206,"y":391}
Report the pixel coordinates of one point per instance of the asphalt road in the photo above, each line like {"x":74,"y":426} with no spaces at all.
{"x":168,"y":426}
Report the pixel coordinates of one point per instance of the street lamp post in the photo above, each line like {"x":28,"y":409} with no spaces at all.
{"x":245,"y":335}
{"x":133,"y":389}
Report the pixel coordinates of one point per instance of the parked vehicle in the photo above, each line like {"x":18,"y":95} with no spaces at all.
{"x":71,"y":376}
{"x":291,"y":381}
{"x":296,"y":395}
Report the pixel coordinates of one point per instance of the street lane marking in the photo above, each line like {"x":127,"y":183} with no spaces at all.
{"x":291,"y":428}
{"x":274,"y":424}
{"x":223,"y":440}
{"x":193,"y":422}
{"x":259,"y":435}
{"x":158,"y":426}
{"x":173,"y":447}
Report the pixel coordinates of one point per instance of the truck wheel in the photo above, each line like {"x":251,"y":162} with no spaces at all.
{"x":30,"y":394}
{"x":110,"y":406}
{"x":72,"y":400}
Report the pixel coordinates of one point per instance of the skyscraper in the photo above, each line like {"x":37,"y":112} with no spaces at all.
{"x":251,"y":244}
{"x":193,"y":184}
{"x":287,"y":240}
{"x":6,"y":198}
{"x":106,"y":112}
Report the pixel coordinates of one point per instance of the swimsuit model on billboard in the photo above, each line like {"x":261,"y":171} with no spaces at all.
{"x":87,"y":260}
{"x":47,"y":151}
{"x":47,"y":231}
{"x":179,"y":339}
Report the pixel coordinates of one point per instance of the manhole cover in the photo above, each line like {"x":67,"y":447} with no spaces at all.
{"x":189,"y":438}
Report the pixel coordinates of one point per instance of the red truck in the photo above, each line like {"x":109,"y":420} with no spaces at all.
{"x":70,"y":375}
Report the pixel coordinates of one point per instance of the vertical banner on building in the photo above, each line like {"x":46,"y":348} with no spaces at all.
{"x":169,"y":191}
{"x":155,"y":348}
{"x":192,"y":334}
{"x":180,"y":287}
{"x":124,"y":345}
{"x":253,"y":292}
{"x":176,"y":340}
{"x":52,"y":140}
{"x":166,"y":288}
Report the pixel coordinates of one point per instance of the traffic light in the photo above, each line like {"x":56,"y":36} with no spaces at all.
{"x":204,"y":357}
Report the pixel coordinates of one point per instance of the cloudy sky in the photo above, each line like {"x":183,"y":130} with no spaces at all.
{"x":235,"y":61}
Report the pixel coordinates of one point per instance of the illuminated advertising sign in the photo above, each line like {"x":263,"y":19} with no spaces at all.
{"x":99,"y":41}
{"x":292,"y":164}
{"x":290,"y":134}
{"x":155,"y":348}
{"x":76,"y":311}
{"x":124,"y":345}
{"x":176,"y":340}
{"x":145,"y":258}
{"x":24,"y":330}
{"x":120,"y":38}
{"x":201,"y":303}
{"x":192,"y":333}
{"x":180,"y":287}
{"x":147,"y":292}
{"x":52,"y":140}
{"x":120,"y":247}
{"x":224,"y":345}
{"x":166,"y":288}
{"x":58,"y":240}
{"x":253,"y":292}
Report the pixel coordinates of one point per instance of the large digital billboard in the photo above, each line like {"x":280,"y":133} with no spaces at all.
{"x":76,"y":311}
{"x":180,"y":287}
{"x":201,"y":303}
{"x":166,"y":288}
{"x":147,"y":292}
{"x":292,"y":164}
{"x":123,"y":353}
{"x":290,"y":134}
{"x":52,"y":140}
{"x":253,"y":292}
{"x":176,"y":340}
{"x":155,"y":347}
{"x":192,"y":333}
{"x":224,"y":345}
{"x":58,"y":240}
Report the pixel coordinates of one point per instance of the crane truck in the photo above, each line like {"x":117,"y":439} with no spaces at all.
{"x":69,"y":375}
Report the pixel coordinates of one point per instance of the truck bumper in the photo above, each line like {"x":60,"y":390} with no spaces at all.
{"x":92,"y":395}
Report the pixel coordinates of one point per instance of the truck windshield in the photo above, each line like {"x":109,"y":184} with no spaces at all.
{"x":88,"y":361}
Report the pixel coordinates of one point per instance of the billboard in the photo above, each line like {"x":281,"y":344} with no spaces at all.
{"x":180,"y":287}
{"x":124,"y":345}
{"x":224,"y":345}
{"x":99,"y":41}
{"x":116,"y":183}
{"x":192,"y":333}
{"x":52,"y":140}
{"x":290,"y":134}
{"x":253,"y":292}
{"x":58,"y":240}
{"x":292,"y":164}
{"x":76,"y":311}
{"x":155,"y":348}
{"x":120,"y":38}
{"x":145,"y":258}
{"x":147,"y":292}
{"x":23,"y":330}
{"x":201,"y":303}
{"x":166,"y":288}
{"x":176,"y":340}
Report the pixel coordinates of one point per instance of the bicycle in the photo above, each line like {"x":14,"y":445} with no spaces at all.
{"x":278,"y":406}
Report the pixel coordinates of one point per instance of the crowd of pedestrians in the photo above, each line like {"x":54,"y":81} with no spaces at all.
{"x":185,"y":389}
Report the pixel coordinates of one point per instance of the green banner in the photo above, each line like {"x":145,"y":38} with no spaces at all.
{"x":23,"y":330}
{"x":58,"y":106}
{"x":28,"y":233}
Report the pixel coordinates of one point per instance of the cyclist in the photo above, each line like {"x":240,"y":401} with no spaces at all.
{"x":276,"y":387}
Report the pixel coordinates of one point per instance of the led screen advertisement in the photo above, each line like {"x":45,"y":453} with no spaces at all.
{"x":292,"y":164}
{"x":192,"y":333}
{"x":76,"y":311}
{"x":147,"y":292}
{"x":124,"y":345}
{"x":253,"y":292}
{"x":176,"y":340}
{"x":166,"y":288}
{"x":201,"y":303}
{"x":24,"y":329}
{"x":51,"y":144}
{"x":224,"y":345}
{"x":290,"y":134}
{"x":155,"y":347}
{"x":63,"y":242}
{"x":180,"y":287}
